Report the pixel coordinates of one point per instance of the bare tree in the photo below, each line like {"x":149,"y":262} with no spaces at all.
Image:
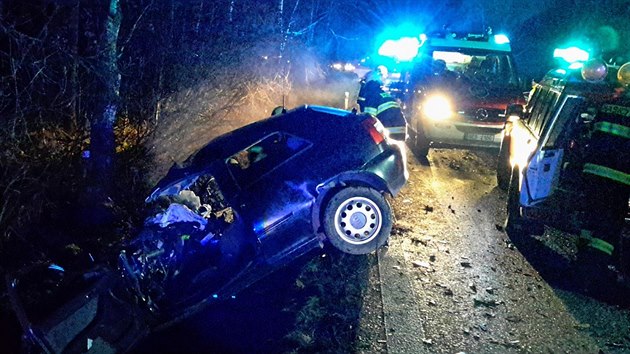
{"x":103,"y":115}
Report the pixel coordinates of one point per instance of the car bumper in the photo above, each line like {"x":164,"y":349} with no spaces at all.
{"x":398,"y":133}
{"x":391,"y":166}
{"x":481,"y":134}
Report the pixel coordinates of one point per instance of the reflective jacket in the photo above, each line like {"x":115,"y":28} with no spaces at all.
{"x":608,"y":154}
{"x":373,"y":100}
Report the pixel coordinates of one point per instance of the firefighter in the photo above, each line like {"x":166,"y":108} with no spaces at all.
{"x":374,"y":100}
{"x":606,"y":172}
{"x":379,"y":75}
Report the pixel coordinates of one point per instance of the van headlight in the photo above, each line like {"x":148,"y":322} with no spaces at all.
{"x":438,"y":107}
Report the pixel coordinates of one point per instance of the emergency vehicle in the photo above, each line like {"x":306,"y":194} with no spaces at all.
{"x":459,"y":88}
{"x":564,"y":157}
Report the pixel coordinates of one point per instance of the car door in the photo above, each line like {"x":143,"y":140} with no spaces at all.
{"x":543,"y":170}
{"x":274,"y":198}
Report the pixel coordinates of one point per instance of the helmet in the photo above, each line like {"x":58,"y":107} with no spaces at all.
{"x":379,"y":74}
{"x":374,"y":76}
{"x":383,"y":71}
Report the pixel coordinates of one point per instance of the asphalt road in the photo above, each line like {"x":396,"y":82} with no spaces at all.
{"x":452,"y":281}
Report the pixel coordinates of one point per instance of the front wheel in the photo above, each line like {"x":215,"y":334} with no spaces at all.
{"x":503,"y":164}
{"x":419,"y":143}
{"x":357,"y":220}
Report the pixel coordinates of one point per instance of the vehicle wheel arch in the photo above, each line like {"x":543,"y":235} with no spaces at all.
{"x":328,"y":189}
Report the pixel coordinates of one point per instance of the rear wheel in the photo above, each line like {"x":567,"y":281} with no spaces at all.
{"x":357,"y":220}
{"x":503,"y":164}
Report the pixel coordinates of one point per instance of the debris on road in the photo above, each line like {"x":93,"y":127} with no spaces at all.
{"x":421,"y":264}
{"x":480,"y":301}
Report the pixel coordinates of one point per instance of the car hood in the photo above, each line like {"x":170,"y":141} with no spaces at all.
{"x":467,"y":96}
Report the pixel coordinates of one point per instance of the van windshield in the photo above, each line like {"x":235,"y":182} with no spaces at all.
{"x":470,"y":65}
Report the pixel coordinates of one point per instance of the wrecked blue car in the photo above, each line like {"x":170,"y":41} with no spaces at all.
{"x":246,"y":204}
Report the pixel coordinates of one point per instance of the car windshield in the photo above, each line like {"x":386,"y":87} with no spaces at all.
{"x":474,"y":65}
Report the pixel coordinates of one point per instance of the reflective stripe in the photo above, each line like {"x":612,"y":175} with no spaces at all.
{"x":607,"y":172}
{"x":370,"y":110}
{"x":614,"y":129}
{"x":361,"y":98}
{"x":395,"y":130}
{"x":597,"y":243}
{"x":387,"y":105}
{"x":601,"y":245}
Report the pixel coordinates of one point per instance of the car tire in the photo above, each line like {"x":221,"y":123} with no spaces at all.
{"x":419,"y":142}
{"x":503,"y":165}
{"x":515,"y":225}
{"x":357,"y":220}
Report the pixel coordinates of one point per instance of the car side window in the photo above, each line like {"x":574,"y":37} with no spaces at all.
{"x":533,"y":98}
{"x":565,"y":125}
{"x":537,"y":106}
{"x":542,"y":110}
{"x":547,"y":113}
{"x":249,"y":165}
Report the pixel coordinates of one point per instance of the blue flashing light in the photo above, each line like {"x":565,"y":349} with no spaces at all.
{"x":501,"y":39}
{"x":571,"y":54}
{"x":403,"y":49}
{"x":215,"y":296}
{"x":576,"y":65}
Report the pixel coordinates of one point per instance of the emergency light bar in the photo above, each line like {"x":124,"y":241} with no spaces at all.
{"x":402,"y":50}
{"x":571,"y":54}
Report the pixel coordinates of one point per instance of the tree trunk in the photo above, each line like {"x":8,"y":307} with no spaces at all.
{"x":74,"y":70}
{"x":102,"y":119}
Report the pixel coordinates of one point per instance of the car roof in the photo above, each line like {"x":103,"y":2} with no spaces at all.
{"x":307,"y":120}
{"x":570,"y":82}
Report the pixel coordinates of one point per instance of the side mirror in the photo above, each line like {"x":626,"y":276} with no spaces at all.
{"x":278,"y":110}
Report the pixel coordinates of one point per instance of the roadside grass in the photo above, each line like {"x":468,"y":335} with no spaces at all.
{"x":331,"y":288}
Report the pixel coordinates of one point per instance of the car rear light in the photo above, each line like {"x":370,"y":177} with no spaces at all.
{"x":375,"y":128}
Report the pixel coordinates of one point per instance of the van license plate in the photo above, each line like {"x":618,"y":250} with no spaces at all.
{"x":479,"y":137}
